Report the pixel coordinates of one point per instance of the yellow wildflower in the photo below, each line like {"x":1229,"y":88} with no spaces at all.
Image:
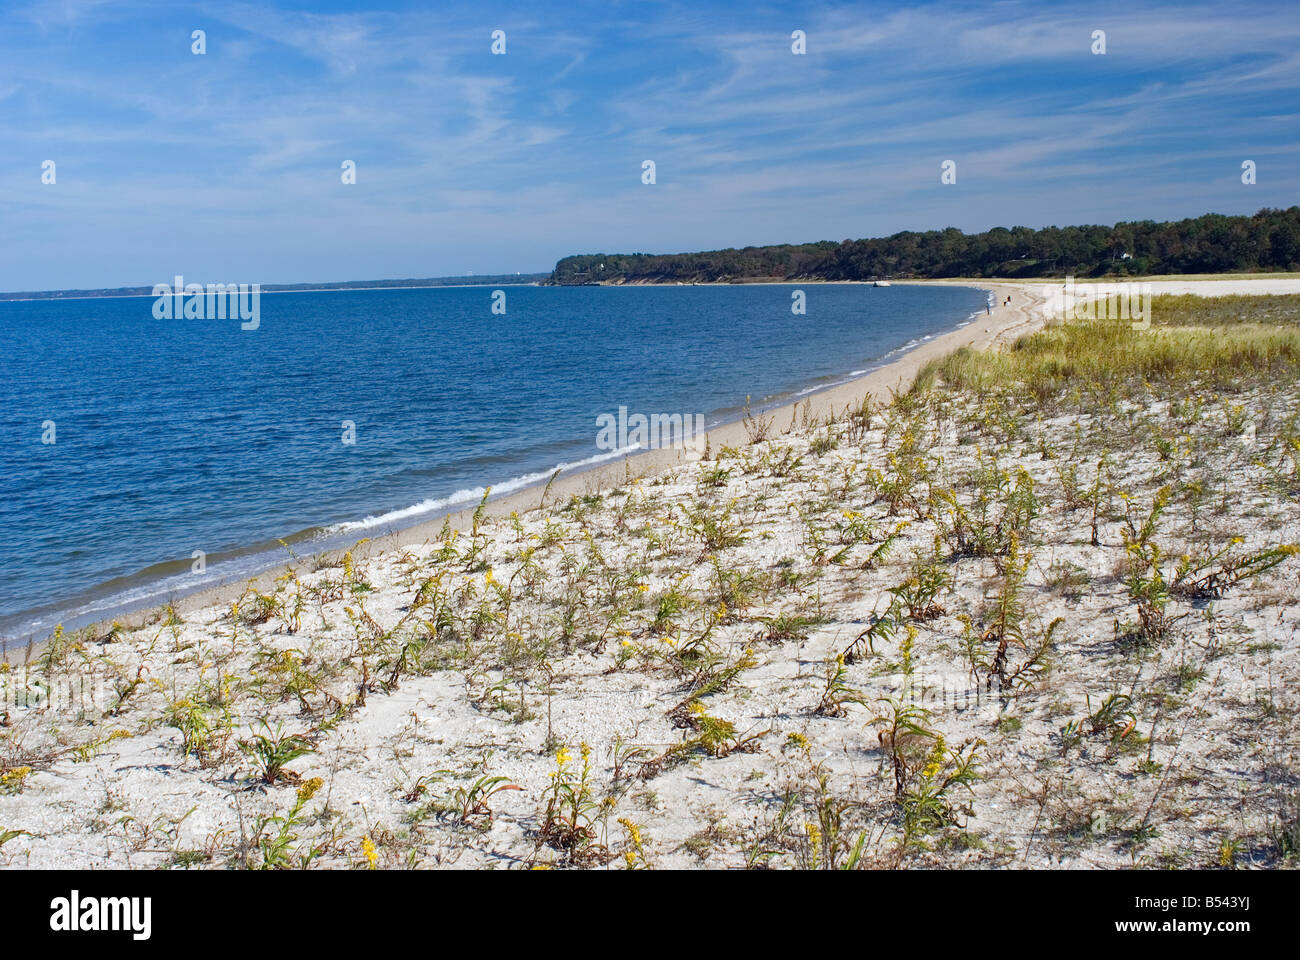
{"x":12,"y":780}
{"x":309,"y":789}
{"x":634,"y":832}
{"x":1227,"y":852}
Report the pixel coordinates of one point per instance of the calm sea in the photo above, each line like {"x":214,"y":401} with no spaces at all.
{"x":177,"y":436}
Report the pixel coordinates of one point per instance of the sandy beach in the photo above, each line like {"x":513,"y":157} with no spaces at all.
{"x":1003,"y":325}
{"x":685,"y":660}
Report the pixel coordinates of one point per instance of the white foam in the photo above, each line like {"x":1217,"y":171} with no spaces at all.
{"x":147,"y":594}
{"x":469,"y":495}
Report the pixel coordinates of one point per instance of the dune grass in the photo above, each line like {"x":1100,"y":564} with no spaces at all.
{"x":1194,"y":338}
{"x":1190,"y":310}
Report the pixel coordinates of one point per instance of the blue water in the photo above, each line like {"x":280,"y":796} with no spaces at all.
{"x":180,"y":435}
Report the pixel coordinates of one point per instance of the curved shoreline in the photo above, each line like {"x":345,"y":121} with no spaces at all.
{"x":1003,"y":325}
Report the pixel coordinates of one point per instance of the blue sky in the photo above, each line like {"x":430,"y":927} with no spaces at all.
{"x":226,"y":167}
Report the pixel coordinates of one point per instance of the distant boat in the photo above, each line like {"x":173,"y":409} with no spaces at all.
{"x":881,"y":283}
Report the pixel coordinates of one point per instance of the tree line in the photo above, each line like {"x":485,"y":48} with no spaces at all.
{"x":1267,"y":241}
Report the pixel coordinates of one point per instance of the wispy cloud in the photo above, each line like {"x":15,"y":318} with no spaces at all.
{"x":229,"y":163}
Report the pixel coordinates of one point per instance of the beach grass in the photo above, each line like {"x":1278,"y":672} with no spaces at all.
{"x":1227,"y":339}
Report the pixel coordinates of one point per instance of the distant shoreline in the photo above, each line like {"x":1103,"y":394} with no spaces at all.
{"x":546,"y":280}
{"x":1266,"y":275}
{"x":130,"y":293}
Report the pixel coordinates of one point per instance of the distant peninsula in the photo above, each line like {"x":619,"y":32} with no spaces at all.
{"x":1266,"y":242}
{"x":486,"y":280}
